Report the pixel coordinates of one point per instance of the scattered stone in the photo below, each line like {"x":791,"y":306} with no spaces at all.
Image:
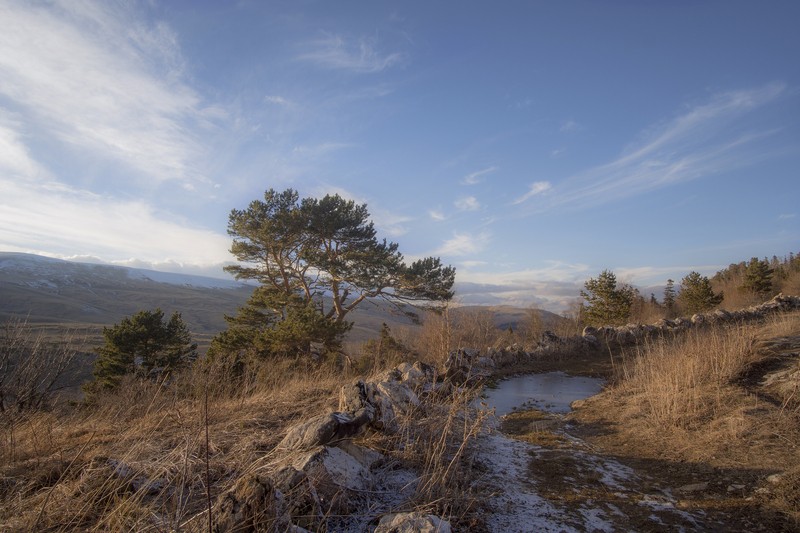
{"x":775,"y":478}
{"x":251,"y":506}
{"x":412,"y":523}
{"x":326,"y":429}
{"x":301,"y":501}
{"x":334,"y":474}
{"x":416,"y":375}
{"x":694,"y":487}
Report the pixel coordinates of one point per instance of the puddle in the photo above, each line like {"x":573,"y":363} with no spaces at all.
{"x":551,"y":392}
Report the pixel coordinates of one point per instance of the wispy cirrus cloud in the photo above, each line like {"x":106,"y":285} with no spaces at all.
{"x":437,"y":215}
{"x":467,"y":203}
{"x":464,"y":244}
{"x":569,"y":126}
{"x":534,"y":189}
{"x":477,"y":177}
{"x":356,"y":55}
{"x":319,"y":150}
{"x":91,"y":76}
{"x":277,"y":100}
{"x":706,"y":139}
{"x":15,"y":158}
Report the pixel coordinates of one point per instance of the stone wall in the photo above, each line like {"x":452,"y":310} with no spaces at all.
{"x":468,"y":363}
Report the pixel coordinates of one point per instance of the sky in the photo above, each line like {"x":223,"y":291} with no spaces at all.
{"x":530,"y":144}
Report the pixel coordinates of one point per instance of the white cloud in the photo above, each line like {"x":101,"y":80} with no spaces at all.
{"x":277,"y":100}
{"x":534,"y":189}
{"x":463,"y":244}
{"x":553,"y":288}
{"x":321,"y":149}
{"x":436,"y":215}
{"x":15,"y":158}
{"x":697,"y":143}
{"x":335,"y":52}
{"x":105,"y":227}
{"x":787,"y":216}
{"x":467,"y":203}
{"x":476,"y":177}
{"x":568,"y":126}
{"x":93,"y":77}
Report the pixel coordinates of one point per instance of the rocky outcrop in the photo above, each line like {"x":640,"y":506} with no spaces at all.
{"x":327,"y":429}
{"x":251,"y":506}
{"x":412,"y":523}
{"x":321,"y":473}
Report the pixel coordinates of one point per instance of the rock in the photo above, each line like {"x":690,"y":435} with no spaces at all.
{"x":251,"y":506}
{"x":591,"y":341}
{"x":416,"y":375}
{"x":548,"y":338}
{"x":485,"y":363}
{"x":301,"y":501}
{"x":775,"y":478}
{"x":390,"y":398}
{"x":353,"y":397}
{"x":412,"y":523}
{"x":326,"y":429}
{"x":694,"y":487}
{"x":589,"y":330}
{"x":698,"y":319}
{"x":334,"y":473}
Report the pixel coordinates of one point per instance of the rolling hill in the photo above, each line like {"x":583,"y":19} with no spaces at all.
{"x":57,"y":294}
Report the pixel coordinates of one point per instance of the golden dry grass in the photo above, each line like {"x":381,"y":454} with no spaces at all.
{"x":700,"y":401}
{"x":55,"y":473}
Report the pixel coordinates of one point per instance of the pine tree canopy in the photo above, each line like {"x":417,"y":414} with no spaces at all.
{"x":316,"y":261}
{"x":696,"y":294}
{"x":758,"y":276}
{"x":141,"y":343}
{"x":607,"y":304}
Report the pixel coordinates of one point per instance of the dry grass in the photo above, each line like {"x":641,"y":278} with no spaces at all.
{"x":137,"y":460}
{"x":699,"y":403}
{"x":55,"y":474}
{"x":691,"y":380}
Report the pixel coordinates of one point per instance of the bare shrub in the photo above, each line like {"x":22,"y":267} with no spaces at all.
{"x":31,"y":369}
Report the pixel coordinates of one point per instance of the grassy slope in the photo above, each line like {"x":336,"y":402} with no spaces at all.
{"x":697,"y":412}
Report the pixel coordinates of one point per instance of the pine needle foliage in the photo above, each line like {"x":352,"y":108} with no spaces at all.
{"x":316,"y":260}
{"x":141,"y":344}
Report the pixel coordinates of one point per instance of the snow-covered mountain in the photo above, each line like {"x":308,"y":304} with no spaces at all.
{"x":49,"y":272}
{"x":45,"y":290}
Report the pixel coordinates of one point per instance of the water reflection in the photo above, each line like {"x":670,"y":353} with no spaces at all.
{"x":552,"y":392}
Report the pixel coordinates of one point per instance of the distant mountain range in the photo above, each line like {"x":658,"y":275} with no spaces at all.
{"x":48,"y":291}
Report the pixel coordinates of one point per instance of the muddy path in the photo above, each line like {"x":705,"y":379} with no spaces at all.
{"x":542,"y":478}
{"x":586,"y":470}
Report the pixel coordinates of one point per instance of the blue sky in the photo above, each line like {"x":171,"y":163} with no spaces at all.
{"x":529,"y":144}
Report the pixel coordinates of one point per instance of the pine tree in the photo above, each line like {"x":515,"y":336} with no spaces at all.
{"x":669,"y":297}
{"x":696,"y":294}
{"x":139,"y":344}
{"x":758,"y":276}
{"x":607,"y":304}
{"x":306,"y":253}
